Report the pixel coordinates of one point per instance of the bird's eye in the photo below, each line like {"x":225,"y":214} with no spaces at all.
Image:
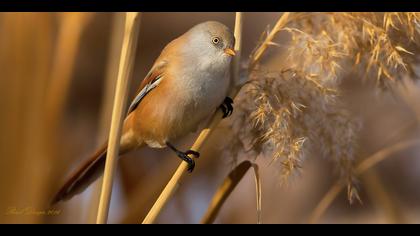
{"x":215,"y":40}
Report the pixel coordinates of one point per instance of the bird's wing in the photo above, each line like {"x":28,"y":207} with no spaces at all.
{"x":152,"y":79}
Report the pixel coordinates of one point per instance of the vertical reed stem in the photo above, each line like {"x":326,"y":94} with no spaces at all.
{"x":132,"y":22}
{"x":105,"y":113}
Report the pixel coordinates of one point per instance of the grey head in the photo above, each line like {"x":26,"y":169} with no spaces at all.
{"x":212,"y":40}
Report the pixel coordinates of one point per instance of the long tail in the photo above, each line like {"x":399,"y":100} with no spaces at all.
{"x":83,"y":177}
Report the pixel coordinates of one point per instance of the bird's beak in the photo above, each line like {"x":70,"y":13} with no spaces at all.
{"x":230,"y":52}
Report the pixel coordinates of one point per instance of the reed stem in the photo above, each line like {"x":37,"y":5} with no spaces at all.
{"x":364,"y":166}
{"x":105,"y":114}
{"x":280,"y":24}
{"x":128,"y":51}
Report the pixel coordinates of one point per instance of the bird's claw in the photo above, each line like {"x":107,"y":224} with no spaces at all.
{"x":227,"y":107}
{"x":185,"y":156}
{"x":191,"y":163}
{"x":194,"y":153}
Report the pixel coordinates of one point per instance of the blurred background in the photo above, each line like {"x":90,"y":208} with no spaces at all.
{"x":57,"y":79}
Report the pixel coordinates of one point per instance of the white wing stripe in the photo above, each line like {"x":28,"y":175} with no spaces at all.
{"x":143,"y":93}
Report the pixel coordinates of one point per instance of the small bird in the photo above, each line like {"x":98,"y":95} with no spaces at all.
{"x":187,"y":83}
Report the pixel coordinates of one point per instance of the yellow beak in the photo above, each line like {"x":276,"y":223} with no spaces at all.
{"x":230,"y":52}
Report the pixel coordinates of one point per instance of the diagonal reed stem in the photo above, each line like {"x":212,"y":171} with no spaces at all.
{"x":256,"y":57}
{"x":360,"y":169}
{"x":382,"y":198}
{"x":132,"y":23}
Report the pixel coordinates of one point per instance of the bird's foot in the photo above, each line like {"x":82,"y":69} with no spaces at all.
{"x":227,"y":107}
{"x":185,"y":157}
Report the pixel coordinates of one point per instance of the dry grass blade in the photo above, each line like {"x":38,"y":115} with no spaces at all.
{"x":132,"y":23}
{"x":258,"y":192}
{"x":214,"y":121}
{"x":360,"y":169}
{"x":227,"y":187}
{"x":224,"y":190}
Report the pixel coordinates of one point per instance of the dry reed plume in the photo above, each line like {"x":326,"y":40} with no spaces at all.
{"x":292,"y":109}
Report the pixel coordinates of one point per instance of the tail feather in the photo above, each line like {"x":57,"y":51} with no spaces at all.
{"x":91,"y":170}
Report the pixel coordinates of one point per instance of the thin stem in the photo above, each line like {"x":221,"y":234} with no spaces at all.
{"x":360,"y":169}
{"x":172,"y":185}
{"x":132,"y":22}
{"x":281,"y":23}
{"x":258,"y":192}
{"x":238,"y":45}
{"x":114,"y":50}
{"x":382,"y":198}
